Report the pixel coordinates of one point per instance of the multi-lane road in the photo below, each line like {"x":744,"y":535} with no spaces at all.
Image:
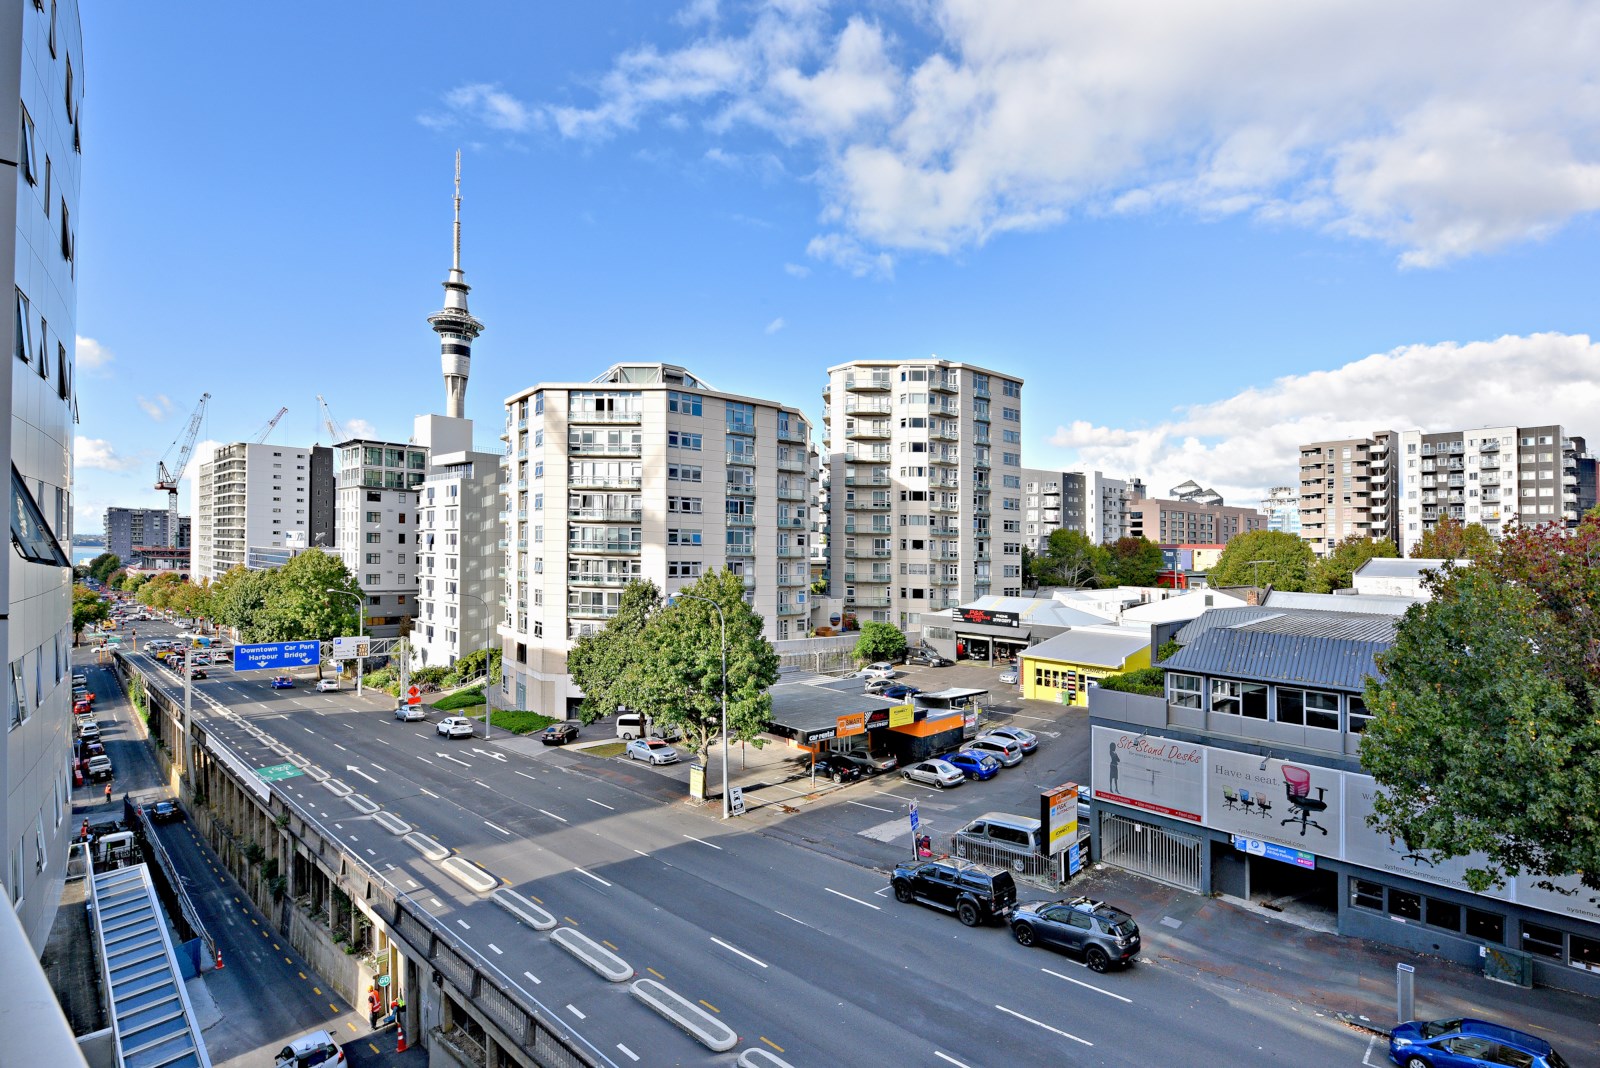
{"x":800,"y":953}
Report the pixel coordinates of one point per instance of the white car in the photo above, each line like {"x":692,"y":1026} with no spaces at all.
{"x":652,"y":749}
{"x":455,"y":727}
{"x":940,"y":773}
{"x":327,"y":685}
{"x":1008,"y":677}
{"x":881,"y":670}
{"x":89,"y":730}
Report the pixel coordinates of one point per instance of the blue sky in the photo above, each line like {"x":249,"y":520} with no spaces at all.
{"x":1202,"y":234}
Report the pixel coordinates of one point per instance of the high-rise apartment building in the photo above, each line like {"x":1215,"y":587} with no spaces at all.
{"x":128,"y":527}
{"x":1281,"y":506}
{"x":1347,"y":490}
{"x":252,"y":505}
{"x":376,"y":529}
{"x":1086,"y":502}
{"x":645,"y":472}
{"x":41,"y":65}
{"x":925,"y":461}
{"x":1189,"y":516}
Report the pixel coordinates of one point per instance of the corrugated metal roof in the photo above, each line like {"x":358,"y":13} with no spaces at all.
{"x":1354,"y":626}
{"x":1097,"y":646}
{"x":1035,"y":611}
{"x":1377,"y":604}
{"x":1264,"y":656}
{"x":1392,"y":568}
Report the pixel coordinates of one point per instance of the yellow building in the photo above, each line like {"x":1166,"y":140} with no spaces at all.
{"x":1060,"y":669}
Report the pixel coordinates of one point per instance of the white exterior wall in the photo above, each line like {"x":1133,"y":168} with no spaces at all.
{"x":459,"y":591}
{"x":376,"y":525}
{"x":250,"y":496}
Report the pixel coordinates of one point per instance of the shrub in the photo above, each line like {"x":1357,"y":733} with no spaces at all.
{"x":520,"y":721}
{"x":1149,"y":681}
{"x":468,"y":698}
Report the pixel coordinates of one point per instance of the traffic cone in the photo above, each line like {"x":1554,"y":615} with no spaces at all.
{"x":219,"y":960}
{"x":400,"y":1030}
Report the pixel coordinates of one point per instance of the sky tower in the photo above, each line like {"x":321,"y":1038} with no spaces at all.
{"x":455,"y":325}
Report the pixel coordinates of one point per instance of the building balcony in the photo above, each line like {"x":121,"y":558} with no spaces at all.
{"x":877,"y":479}
{"x":633,"y":416}
{"x":602,"y":448}
{"x":1456,"y":447}
{"x":590,"y":578}
{"x":944,"y":434}
{"x":602,"y":482}
{"x":861,"y":552}
{"x":736,"y":490}
{"x":591,"y":611}
{"x":982,"y":554}
{"x":879,"y":529}
{"x":791,"y":552}
{"x":949,"y":408}
{"x":944,"y":509}
{"x":738,"y":550}
{"x":870,"y":602}
{"x":943,"y":580}
{"x":787,"y":522}
{"x":800,"y":465}
{"x":789,"y":608}
{"x":944,"y":384}
{"x":791,"y":493}
{"x":861,"y":406}
{"x":868,"y":383}
{"x":877,"y":578}
{"x":1489,"y":481}
{"x":941,"y":460}
{"x":746,"y":459}
{"x":868,"y":505}
{"x":1488,"y":445}
{"x":1489,"y":463}
{"x":1569,"y":480}
{"x":981,"y":391}
{"x":869,"y":432}
{"x":607,"y":515}
{"x":591,"y":548}
{"x":949,"y":483}
{"x":791,"y":435}
{"x":740,"y":520}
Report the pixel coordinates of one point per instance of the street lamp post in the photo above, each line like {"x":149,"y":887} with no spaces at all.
{"x":361,"y":609}
{"x":723,"y":621}
{"x":488,"y":661}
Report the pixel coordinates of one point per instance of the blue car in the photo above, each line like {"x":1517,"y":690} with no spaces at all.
{"x":899,"y":690}
{"x":1460,"y":1043}
{"x":978,"y":766}
{"x":282,"y":682}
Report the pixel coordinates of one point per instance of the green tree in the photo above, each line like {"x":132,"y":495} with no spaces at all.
{"x":299,"y":606}
{"x":130,"y":581}
{"x":680,"y":678}
{"x":1485,"y":739}
{"x":87,"y":608}
{"x":1070,"y":559}
{"x":1135,"y":561}
{"x":101,"y":567}
{"x":470,"y":666}
{"x":1336,"y":571}
{"x":1451,"y":540}
{"x":1286,"y":562}
{"x":605,"y":664}
{"x":157,"y":591}
{"x":880,"y":641}
{"x":239,"y":597}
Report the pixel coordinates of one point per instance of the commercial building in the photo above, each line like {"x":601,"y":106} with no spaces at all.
{"x":41,"y":62}
{"x":1061,"y":668}
{"x":376,"y":528}
{"x":925,"y":459}
{"x":644,"y":472}
{"x":128,"y":527}
{"x":1086,"y":502}
{"x":1282,"y":509}
{"x":252,"y":506}
{"x":1189,"y":515}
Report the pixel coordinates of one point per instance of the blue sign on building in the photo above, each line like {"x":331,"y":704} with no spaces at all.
{"x":1257,"y":848}
{"x":276,"y":655}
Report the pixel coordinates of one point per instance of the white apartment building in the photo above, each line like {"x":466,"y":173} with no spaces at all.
{"x":1281,"y":506}
{"x":644,"y":473}
{"x":252,"y":506}
{"x":1084,"y":501}
{"x":925,"y":460}
{"x":376,"y":526}
{"x":460,"y":526}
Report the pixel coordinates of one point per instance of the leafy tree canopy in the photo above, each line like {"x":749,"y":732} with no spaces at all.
{"x":1070,"y":559}
{"x":1451,"y":540}
{"x":101,"y":567}
{"x":605,"y":664}
{"x":298,"y":605}
{"x":1286,"y":562}
{"x":1485,"y":737}
{"x":239,"y":597}
{"x":1336,"y":571}
{"x":880,"y":641}
{"x":1135,"y":561}
{"x":87,"y":608}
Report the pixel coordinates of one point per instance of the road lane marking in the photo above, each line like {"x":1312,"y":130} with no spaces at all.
{"x":465,"y":926}
{"x":771,"y":1043}
{"x":534,"y":979}
{"x":710,"y":1006}
{"x":425,"y":760}
{"x":874,"y":808}
{"x":596,"y":878}
{"x":336,"y":745}
{"x":453,"y":760}
{"x":496,"y":948}
{"x":552,"y":815}
{"x":1091,"y":986}
{"x":740,"y":952}
{"x":951,"y":1060}
{"x":483,"y":784}
{"x":857,"y":900}
{"x":436,"y":903}
{"x":602,"y":804}
{"x":430,"y":793}
{"x":641,"y":852}
{"x":381,"y":768}
{"x":576,"y":1011}
{"x":703,"y":842}
{"x":786,"y":916}
{"x":655,"y":973}
{"x":525,"y":775}
{"x":1047,"y":1027}
{"x":502,"y":830}
{"x":630,"y":1054}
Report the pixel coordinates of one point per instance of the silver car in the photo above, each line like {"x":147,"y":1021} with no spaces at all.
{"x":1008,"y":752}
{"x":940,"y":773}
{"x":1025,"y":738}
{"x":653,"y":750}
{"x":410,"y":713}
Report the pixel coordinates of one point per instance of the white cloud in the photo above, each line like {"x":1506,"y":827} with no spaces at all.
{"x":776,"y":325}
{"x":1244,"y":444}
{"x":89,"y":354}
{"x":157,"y":407}
{"x":796,"y":270}
{"x":98,"y":454}
{"x":844,"y":251}
{"x":1442,"y":128}
{"x":359,"y":428}
{"x":484,"y":105}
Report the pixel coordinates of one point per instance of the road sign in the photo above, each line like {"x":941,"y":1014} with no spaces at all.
{"x":383,"y":980}
{"x":349,"y":648}
{"x":268,"y":655}
{"x":278,"y":772}
{"x":736,"y":800}
{"x":413,"y":696}
{"x":914,"y":820}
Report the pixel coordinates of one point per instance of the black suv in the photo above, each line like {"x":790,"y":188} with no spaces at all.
{"x":1104,"y":935}
{"x":928,"y":657}
{"x":974,"y":893}
{"x":838,"y":769}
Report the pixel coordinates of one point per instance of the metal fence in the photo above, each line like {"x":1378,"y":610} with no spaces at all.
{"x":1050,"y":869}
{"x":1155,"y":852}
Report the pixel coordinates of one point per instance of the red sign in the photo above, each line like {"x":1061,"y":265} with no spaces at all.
{"x":413,"y":696}
{"x":992,"y":619}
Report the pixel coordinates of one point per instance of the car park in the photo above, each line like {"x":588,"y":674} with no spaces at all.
{"x":1102,"y":934}
{"x":1008,"y":752}
{"x":559,"y":733}
{"x":927,"y":658}
{"x":1449,"y":1043}
{"x":975,"y":893}
{"x":831,"y":767}
{"x":940,"y":773}
{"x":653,"y":750}
{"x":282,"y":682}
{"x":165,"y":812}
{"x":867,"y":762}
{"x":410,"y":713}
{"x":309,"y":1051}
{"x":455,"y":727}
{"x":980,"y":766}
{"x":1025,"y":738}
{"x":327,"y":685}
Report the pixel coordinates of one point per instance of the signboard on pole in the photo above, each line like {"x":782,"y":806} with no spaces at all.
{"x":413,"y":695}
{"x":1058,"y":811}
{"x":269,"y":655}
{"x":350,"y":647}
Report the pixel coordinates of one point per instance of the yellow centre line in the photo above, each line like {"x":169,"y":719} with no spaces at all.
{"x":657,"y":974}
{"x":771,"y":1043}
{"x":608,"y":945}
{"x":710,"y":1006}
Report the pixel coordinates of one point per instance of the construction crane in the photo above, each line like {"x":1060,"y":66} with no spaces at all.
{"x":262,"y":435}
{"x":168,"y":479}
{"x":327,"y":421}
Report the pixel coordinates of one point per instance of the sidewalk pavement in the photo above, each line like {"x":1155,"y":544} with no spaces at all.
{"x":1332,"y":974}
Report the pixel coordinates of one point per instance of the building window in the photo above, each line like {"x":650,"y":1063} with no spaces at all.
{"x":1405,"y":905}
{"x":1308,"y":708}
{"x":1356,"y":714}
{"x":678,"y":439}
{"x":22,"y":345}
{"x":683,"y":473}
{"x":1235,"y":697}
{"x":1543,"y":941}
{"x":1443,"y":914}
{"x":683,"y":403}
{"x":1183,"y":690}
{"x":29,"y":152}
{"x":1486,"y":926}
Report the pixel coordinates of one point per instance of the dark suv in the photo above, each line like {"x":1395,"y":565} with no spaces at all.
{"x":976,"y":894}
{"x":839,"y":770}
{"x":928,"y":657}
{"x":1104,"y":935}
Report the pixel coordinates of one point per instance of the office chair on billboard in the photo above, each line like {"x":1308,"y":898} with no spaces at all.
{"x":1297,"y":788}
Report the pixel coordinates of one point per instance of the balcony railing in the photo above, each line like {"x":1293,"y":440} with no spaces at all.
{"x":862,"y":480}
{"x":788,"y":608}
{"x":748,"y":459}
{"x":870,"y":602}
{"x":868,"y":383}
{"x":602,"y":448}
{"x":602,"y":547}
{"x":602,"y":482}
{"x":591,"y":611}
{"x":796,"y":465}
{"x":588,"y":578}
{"x":741,"y":520}
{"x":791,"y":552}
{"x":735,"y":489}
{"x":739,"y":550}
{"x":860,"y":406}
{"x":607,"y":515}
{"x":629,"y":416}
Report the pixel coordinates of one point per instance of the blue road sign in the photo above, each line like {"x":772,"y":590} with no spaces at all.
{"x":915,"y":822}
{"x":276,"y":655}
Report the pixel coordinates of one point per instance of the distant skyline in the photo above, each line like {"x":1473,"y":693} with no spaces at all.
{"x":1201,"y":235}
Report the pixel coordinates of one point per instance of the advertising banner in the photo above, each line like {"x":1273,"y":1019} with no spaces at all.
{"x":1364,"y":845}
{"x":1271,"y":851}
{"x":900,"y":715}
{"x":852,"y":724}
{"x":1294,"y":804}
{"x":992,"y":619}
{"x":1156,"y":774}
{"x":1058,"y":811}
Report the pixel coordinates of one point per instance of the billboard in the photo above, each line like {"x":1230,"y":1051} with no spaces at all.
{"x":1058,"y":812}
{"x":992,"y":619}
{"x":351,"y":647}
{"x":1288,"y":802}
{"x":1156,"y":774}
{"x":269,"y":655}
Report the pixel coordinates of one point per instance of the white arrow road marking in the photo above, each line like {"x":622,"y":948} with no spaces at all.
{"x":487,"y":753}
{"x":357,"y":771}
{"x":453,"y":760}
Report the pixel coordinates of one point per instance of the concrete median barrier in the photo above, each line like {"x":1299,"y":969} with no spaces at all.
{"x":695,"y":1021}
{"x":606,"y":964}
{"x":523,"y":909}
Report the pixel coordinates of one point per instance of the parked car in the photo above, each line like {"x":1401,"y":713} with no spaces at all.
{"x":282,"y":682}
{"x":309,"y":1051}
{"x":978,"y":766}
{"x":927,"y":657}
{"x":830,"y":766}
{"x":165,"y":812}
{"x":100,"y":768}
{"x":81,"y":706}
{"x":1448,"y":1043}
{"x":940,"y":773}
{"x":880,"y":670}
{"x":867,"y":762}
{"x":1008,"y":752}
{"x":327,"y":685}
{"x":455,"y":727}
{"x":559,"y":733}
{"x":653,"y":750}
{"x":89,"y":730}
{"x":975,"y":894}
{"x":1025,"y":738}
{"x":92,"y":749}
{"x":409,"y":713}
{"x":630,"y":725}
{"x":897,"y":691}
{"x":1101,"y":934}
{"x":1009,"y":677}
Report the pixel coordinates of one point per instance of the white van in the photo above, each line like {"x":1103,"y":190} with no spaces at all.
{"x":1002,"y":830}
{"x":316,"y":1048}
{"x":630,"y":725}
